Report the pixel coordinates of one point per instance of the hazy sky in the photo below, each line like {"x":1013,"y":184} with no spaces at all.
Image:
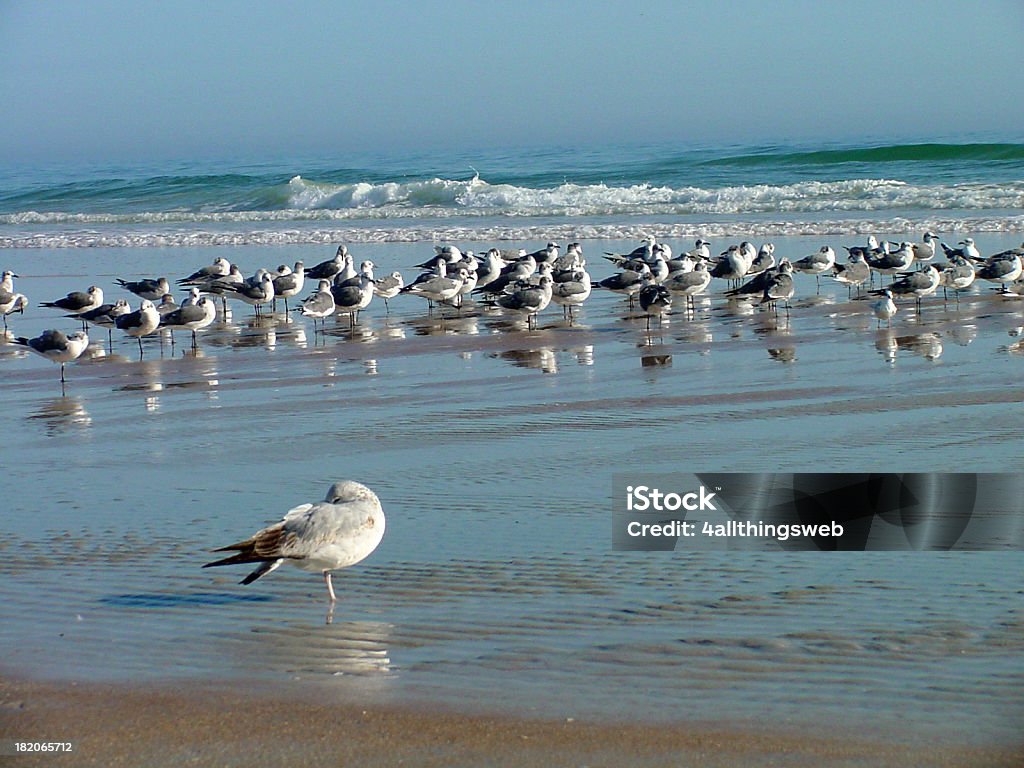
{"x":110,"y":79}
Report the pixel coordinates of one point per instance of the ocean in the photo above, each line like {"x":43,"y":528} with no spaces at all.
{"x":493,"y":446}
{"x":617,"y":192}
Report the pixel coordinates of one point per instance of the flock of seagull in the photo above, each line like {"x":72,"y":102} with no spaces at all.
{"x":522,"y":283}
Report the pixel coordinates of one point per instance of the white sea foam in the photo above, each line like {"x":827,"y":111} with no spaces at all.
{"x":474,"y":210}
{"x":493,"y":232}
{"x":308,"y":201}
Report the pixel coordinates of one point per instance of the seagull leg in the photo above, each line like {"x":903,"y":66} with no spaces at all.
{"x":330,"y":587}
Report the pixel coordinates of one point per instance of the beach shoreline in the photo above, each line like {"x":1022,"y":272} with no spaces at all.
{"x":227,"y":724}
{"x":497,"y":573}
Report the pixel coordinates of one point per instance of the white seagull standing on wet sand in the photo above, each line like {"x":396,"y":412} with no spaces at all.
{"x":57,"y":347}
{"x":142,"y":322}
{"x":884,"y":308}
{"x":817,"y":263}
{"x":337,"y":532}
{"x":10,"y":300}
{"x":320,"y":305}
{"x":190,"y":317}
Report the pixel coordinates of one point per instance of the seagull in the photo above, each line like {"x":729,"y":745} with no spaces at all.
{"x":872,"y":248}
{"x":78,"y":302}
{"x":220,"y":285}
{"x":530,"y":300}
{"x":780,"y":287}
{"x":925,"y":250}
{"x":884,"y":308}
{"x":326,"y":270}
{"x":320,"y":305}
{"x":352,"y":298}
{"x":57,"y":347}
{"x":816,"y":263}
{"x":104,"y":315}
{"x":217,"y":283}
{"x":731,"y":265}
{"x":644,"y":252}
{"x":572,"y":259}
{"x":220,"y":268}
{"x":701,"y":252}
{"x":141,"y":322}
{"x":1008,"y":254}
{"x":917,"y":284}
{"x":388,"y":287}
{"x":627,"y":283}
{"x":517,"y":271}
{"x":655,"y":299}
{"x":147,"y":288}
{"x":546,"y":255}
{"x":889,"y":263}
{"x":958,"y":276}
{"x":1001,"y":270}
{"x":337,"y":532}
{"x":690,"y":284}
{"x":754,"y":287}
{"x":967,"y":249}
{"x":190,"y":317}
{"x":286,"y":286}
{"x":764,"y":260}
{"x":657,"y":265}
{"x":257,"y":295}
{"x":490,"y":269}
{"x":167,"y":304}
{"x":854,"y":273}
{"x":438,"y":288}
{"x":572,"y":293}
{"x":470,"y":282}
{"x":449,"y":255}
{"x":11,"y":302}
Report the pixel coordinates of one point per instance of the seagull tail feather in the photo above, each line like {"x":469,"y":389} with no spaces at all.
{"x":262,"y":570}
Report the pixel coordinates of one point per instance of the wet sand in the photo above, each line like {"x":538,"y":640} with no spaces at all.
{"x":493,"y":448}
{"x":206,"y":724}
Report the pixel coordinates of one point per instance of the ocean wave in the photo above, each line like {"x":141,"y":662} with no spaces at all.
{"x":892,"y":153}
{"x":321,"y":201}
{"x":198,"y":237}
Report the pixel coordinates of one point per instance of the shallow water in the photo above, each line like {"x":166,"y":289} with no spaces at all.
{"x":493,"y":449}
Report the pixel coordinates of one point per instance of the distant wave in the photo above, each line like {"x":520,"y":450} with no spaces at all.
{"x":192,"y":236}
{"x":894,"y":153}
{"x":304,"y":200}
